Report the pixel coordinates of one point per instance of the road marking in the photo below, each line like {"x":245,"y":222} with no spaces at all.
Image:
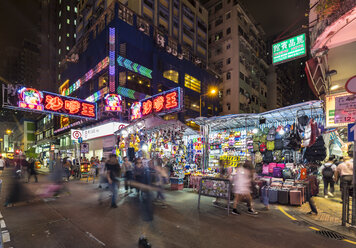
{"x":5,"y":236}
{"x":314,"y":228}
{"x":349,"y":241}
{"x":2,"y":224}
{"x":93,"y":237}
{"x":288,"y":215}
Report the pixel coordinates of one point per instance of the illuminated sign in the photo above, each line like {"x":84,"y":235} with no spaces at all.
{"x":290,"y":49}
{"x":330,"y":112}
{"x":113,"y":102}
{"x":112,"y":59}
{"x":102,"y":130}
{"x":128,"y":64}
{"x":163,"y":103}
{"x":20,"y":97}
{"x":131,"y":93}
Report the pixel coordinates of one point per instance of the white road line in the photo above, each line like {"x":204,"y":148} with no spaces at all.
{"x":5,"y":236}
{"x":2,"y":224}
{"x":93,"y":237}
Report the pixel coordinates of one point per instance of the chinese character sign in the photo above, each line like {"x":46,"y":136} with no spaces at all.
{"x":113,"y":102}
{"x":32,"y":99}
{"x":286,"y":50}
{"x":163,"y":103}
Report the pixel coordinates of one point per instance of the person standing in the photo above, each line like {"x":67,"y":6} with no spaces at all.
{"x":112,"y":173}
{"x":128,"y":170}
{"x":2,"y":163}
{"x":344,"y":172}
{"x":328,"y":171}
{"x":31,"y":170}
{"x":242,"y":181}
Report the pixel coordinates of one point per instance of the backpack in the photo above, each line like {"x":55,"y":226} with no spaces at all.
{"x":256,"y":146}
{"x":258,"y":158}
{"x":270,"y":145}
{"x":277,"y":156}
{"x":262,"y":147}
{"x":258,"y":168}
{"x":271,"y":134}
{"x":263,"y":138}
{"x":288,"y":156}
{"x":278,"y":144}
{"x":256,"y":138}
{"x":278,"y":132}
{"x":287,"y":173}
{"x":268,"y":157}
{"x":265,"y":130}
{"x":328,"y":172}
{"x":265,"y":169}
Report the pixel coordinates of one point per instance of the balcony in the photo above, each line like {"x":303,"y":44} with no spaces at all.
{"x":332,"y":19}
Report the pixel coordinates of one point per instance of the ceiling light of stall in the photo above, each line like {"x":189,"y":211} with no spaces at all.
{"x":334,"y":87}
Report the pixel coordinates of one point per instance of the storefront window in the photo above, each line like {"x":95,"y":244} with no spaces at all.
{"x":171,"y":75}
{"x":192,"y":83}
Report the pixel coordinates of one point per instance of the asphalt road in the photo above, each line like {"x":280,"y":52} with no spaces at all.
{"x":77,"y":220}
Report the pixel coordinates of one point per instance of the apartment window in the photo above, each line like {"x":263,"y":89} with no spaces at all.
{"x":68,"y":8}
{"x":228,"y":61}
{"x":59,"y":26}
{"x":75,"y":9}
{"x":59,"y":51}
{"x":59,"y":76}
{"x":228,"y":31}
{"x":218,"y":6}
{"x":67,"y":48}
{"x":242,"y":76}
{"x":242,"y":91}
{"x":67,"y":34}
{"x":219,"y":35}
{"x":75,"y":22}
{"x":228,"y":15}
{"x":218,"y":21}
{"x":228,"y":105}
{"x":60,"y":1}
{"x":60,"y":13}
{"x":192,"y":83}
{"x":228,"y":75}
{"x":59,"y":38}
{"x":171,"y":75}
{"x":218,"y":51}
{"x":228,"y":92}
{"x":68,"y":21}
{"x":75,"y":35}
{"x":228,"y":46}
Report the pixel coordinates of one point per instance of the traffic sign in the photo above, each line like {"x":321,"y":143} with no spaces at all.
{"x":350,"y":85}
{"x":84,"y":148}
{"x":80,"y":140}
{"x":351,"y":134}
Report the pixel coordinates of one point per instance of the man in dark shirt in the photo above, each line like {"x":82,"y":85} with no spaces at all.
{"x":113,"y":172}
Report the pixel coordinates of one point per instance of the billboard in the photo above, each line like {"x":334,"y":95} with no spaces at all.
{"x":162,"y":103}
{"x":30,"y":99}
{"x":331,"y":113}
{"x":289,"y":49}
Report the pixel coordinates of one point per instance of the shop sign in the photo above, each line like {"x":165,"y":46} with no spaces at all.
{"x":330,"y":110}
{"x":30,"y":99}
{"x":102,"y":130}
{"x":113,"y":103}
{"x":52,"y":147}
{"x":232,"y":161}
{"x":163,"y":103}
{"x":345,"y":109}
{"x":75,"y":134}
{"x":289,"y":49}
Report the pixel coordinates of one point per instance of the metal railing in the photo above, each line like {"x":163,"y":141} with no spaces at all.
{"x":346,"y":206}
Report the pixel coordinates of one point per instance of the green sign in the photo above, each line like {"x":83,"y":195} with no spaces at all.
{"x":287,"y":50}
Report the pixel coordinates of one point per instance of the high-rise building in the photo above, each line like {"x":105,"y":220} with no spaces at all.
{"x":237,"y":52}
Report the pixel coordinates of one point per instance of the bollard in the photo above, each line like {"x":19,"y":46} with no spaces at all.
{"x":345,"y":205}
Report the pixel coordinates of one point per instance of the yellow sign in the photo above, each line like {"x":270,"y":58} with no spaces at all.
{"x":232,"y":161}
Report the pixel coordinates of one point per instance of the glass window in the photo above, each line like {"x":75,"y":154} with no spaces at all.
{"x":75,"y":9}
{"x":68,"y":21}
{"x":60,"y":13}
{"x":67,"y":34}
{"x":228,"y":46}
{"x":228,"y":105}
{"x":242,"y":76}
{"x":192,"y":83}
{"x":228,"y":75}
{"x":59,"y":38}
{"x":59,"y":76}
{"x":228,"y":92}
{"x":103,"y":81}
{"x":75,"y":35}
{"x":228,"y":15}
{"x":59,"y":26}
{"x":75,"y":22}
{"x":218,"y":6}
{"x":171,"y":75}
{"x":219,"y":35}
{"x":228,"y":61}
{"x":67,"y":48}
{"x":68,"y":8}
{"x":218,"y":21}
{"x":228,"y":31}
{"x":59,"y":51}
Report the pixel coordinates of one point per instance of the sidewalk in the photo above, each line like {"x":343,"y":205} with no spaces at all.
{"x":329,"y":213}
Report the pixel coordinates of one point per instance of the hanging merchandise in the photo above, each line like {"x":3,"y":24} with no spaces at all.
{"x":258,"y":157}
{"x":271,"y":134}
{"x":278,"y":144}
{"x":270,"y":145}
{"x":316,"y":152}
{"x":263,"y":148}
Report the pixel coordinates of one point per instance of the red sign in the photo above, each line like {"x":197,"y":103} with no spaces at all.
{"x":350,"y":85}
{"x":165,"y":102}
{"x":33,"y":99}
{"x":113,"y":102}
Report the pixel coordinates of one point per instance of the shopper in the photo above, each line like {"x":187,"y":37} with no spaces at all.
{"x":161,"y":179}
{"x":66,"y":166}
{"x":327,"y":171}
{"x":344,"y":172}
{"x":102,"y":172}
{"x":242,"y":180}
{"x":128,"y":173}
{"x":31,"y":170}
{"x":138,"y":173}
{"x":312,"y":190}
{"x":222,"y":174}
{"x":2,"y":163}
{"x":112,"y":174}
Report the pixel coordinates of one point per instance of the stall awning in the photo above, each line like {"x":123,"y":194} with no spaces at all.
{"x":313,"y":109}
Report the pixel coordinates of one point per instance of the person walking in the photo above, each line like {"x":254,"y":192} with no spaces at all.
{"x":344,"y":172}
{"x":2,"y":163}
{"x":102,"y":173}
{"x":112,"y":174}
{"x":138,"y":173}
{"x":312,"y":189}
{"x":328,"y":171}
{"x":242,"y":181}
{"x":128,"y":174}
{"x":66,"y":166}
{"x":31,"y":170}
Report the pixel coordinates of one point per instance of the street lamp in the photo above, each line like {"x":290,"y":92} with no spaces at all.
{"x":211,"y":92}
{"x":8,"y":131}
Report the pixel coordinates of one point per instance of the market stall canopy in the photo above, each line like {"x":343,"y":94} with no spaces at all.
{"x":153,"y":123}
{"x":313,"y":109}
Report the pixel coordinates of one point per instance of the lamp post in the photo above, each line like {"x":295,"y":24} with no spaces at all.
{"x":211,"y":92}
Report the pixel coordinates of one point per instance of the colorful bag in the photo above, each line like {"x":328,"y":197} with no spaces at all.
{"x":271,"y":166}
{"x":280,"y":165}
{"x":271,"y":134}
{"x":268,"y":157}
{"x":303,"y":173}
{"x":277,"y":172}
{"x":258,"y":158}
{"x":265,"y":170}
{"x":263,"y":138}
{"x":262,"y":147}
{"x":278,"y":144}
{"x":270,"y":145}
{"x":277,"y":155}
{"x":256,"y":146}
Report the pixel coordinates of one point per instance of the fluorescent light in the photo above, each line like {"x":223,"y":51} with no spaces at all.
{"x":334,"y":87}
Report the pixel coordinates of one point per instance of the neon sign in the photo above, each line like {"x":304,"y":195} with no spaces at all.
{"x":113,"y":102}
{"x":163,"y":103}
{"x":32,"y":99}
{"x":289,"y":49}
{"x":140,"y":69}
{"x":112,"y":59}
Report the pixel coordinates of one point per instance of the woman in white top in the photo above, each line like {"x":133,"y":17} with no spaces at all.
{"x":242,"y":181}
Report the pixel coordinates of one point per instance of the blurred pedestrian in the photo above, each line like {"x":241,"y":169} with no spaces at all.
{"x":32,"y":170}
{"x":161,"y":179}
{"x":102,"y":173}
{"x":138,"y":172}
{"x":242,"y":181}
{"x":112,"y":173}
{"x":2,"y":163}
{"x":344,"y":172}
{"x":67,"y":166}
{"x":128,"y":172}
{"x":328,"y":171}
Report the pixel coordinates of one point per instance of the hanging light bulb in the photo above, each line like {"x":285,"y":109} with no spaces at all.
{"x":255,"y":130}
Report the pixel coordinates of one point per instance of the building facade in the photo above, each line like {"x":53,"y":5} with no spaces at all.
{"x":238,"y":53}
